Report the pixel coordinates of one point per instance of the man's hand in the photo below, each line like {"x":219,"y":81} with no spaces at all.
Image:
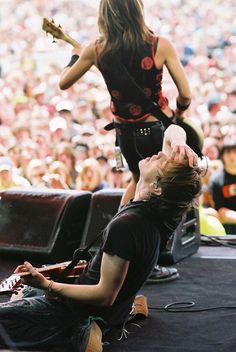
{"x":182,"y":153}
{"x":34,"y":278}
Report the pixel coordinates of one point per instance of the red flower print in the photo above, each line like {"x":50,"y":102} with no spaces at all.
{"x":135,"y":110}
{"x":147,"y":92}
{"x":147,"y":63}
{"x":115,"y":94}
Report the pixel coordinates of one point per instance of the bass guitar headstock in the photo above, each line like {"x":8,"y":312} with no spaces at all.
{"x":57,"y":32}
{"x":50,"y":27}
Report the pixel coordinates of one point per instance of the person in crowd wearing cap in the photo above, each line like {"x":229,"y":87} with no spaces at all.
{"x":8,"y":177}
{"x":223,"y":187}
{"x":213,"y":106}
{"x":118,"y":178}
{"x":65,"y":110}
{"x":59,"y":129}
{"x":35,"y":172}
{"x":125,"y":38}
{"x":69,"y":315}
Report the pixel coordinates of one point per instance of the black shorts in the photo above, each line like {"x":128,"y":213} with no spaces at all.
{"x":138,"y":141}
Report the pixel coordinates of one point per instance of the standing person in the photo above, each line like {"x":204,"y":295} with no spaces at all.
{"x":169,"y":185}
{"x":223,"y":187}
{"x":125,"y":38}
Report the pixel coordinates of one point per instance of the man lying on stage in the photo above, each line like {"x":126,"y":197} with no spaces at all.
{"x":64,"y":318}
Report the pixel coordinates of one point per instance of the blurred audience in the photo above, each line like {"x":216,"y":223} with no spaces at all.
{"x":40,"y":122}
{"x":64,"y":152}
{"x":58,"y":176}
{"x":8,"y":176}
{"x":35,"y":172}
{"x":90,"y":176}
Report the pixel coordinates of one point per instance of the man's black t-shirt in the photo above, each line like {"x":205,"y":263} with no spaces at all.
{"x":134,"y":236}
{"x":223,"y":190}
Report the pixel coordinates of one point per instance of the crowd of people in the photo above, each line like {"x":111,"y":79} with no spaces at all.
{"x":56,"y":139}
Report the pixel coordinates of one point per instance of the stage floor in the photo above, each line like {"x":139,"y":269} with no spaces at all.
{"x":208,"y":280}
{"x":216,"y":252}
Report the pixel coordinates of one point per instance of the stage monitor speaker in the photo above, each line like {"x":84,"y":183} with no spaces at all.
{"x":185,"y":240}
{"x":105,"y":203}
{"x":42,"y":224}
{"x":103,"y":206}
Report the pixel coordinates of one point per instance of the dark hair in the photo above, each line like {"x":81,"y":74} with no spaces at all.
{"x":122,"y":27}
{"x":229,"y":145}
{"x":181,"y":187}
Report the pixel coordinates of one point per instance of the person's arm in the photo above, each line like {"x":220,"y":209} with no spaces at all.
{"x":71,"y":74}
{"x":174,"y":145}
{"x":176,"y":70}
{"x":227,"y":216}
{"x":113,"y":272}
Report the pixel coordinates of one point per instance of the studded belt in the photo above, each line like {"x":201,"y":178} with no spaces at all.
{"x":139,"y":131}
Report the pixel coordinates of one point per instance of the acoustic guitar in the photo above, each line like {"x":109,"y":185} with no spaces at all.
{"x":13,"y":283}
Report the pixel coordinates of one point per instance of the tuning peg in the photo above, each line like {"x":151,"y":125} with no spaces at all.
{"x":59,"y":26}
{"x":52,"y":21}
{"x":54,"y":41}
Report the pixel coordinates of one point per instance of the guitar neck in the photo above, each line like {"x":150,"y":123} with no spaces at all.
{"x":48,"y":268}
{"x":12,"y":284}
{"x":71,"y":41}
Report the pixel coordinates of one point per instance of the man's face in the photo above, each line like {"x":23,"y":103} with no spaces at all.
{"x":152,"y":166}
{"x":5,"y":176}
{"x":229,"y":158}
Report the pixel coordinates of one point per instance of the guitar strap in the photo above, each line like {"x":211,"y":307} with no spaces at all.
{"x":81,"y":253}
{"x":135,"y":92}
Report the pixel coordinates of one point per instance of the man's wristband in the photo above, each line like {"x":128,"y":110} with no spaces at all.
{"x":73,"y":59}
{"x":181,"y":107}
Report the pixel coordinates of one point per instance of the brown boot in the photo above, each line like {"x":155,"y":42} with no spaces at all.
{"x":139,"y":308}
{"x":92,"y":339}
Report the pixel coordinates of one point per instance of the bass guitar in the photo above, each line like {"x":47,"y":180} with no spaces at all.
{"x":13,"y":283}
{"x":50,"y":27}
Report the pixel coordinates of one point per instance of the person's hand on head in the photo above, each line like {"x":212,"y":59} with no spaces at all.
{"x":182,"y":153}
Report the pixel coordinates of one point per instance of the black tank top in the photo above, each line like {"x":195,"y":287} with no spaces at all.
{"x":142,"y":68}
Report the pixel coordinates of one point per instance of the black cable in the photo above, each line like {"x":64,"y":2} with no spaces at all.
{"x":222,"y":242}
{"x":183,"y":307}
{"x":135,"y":143}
